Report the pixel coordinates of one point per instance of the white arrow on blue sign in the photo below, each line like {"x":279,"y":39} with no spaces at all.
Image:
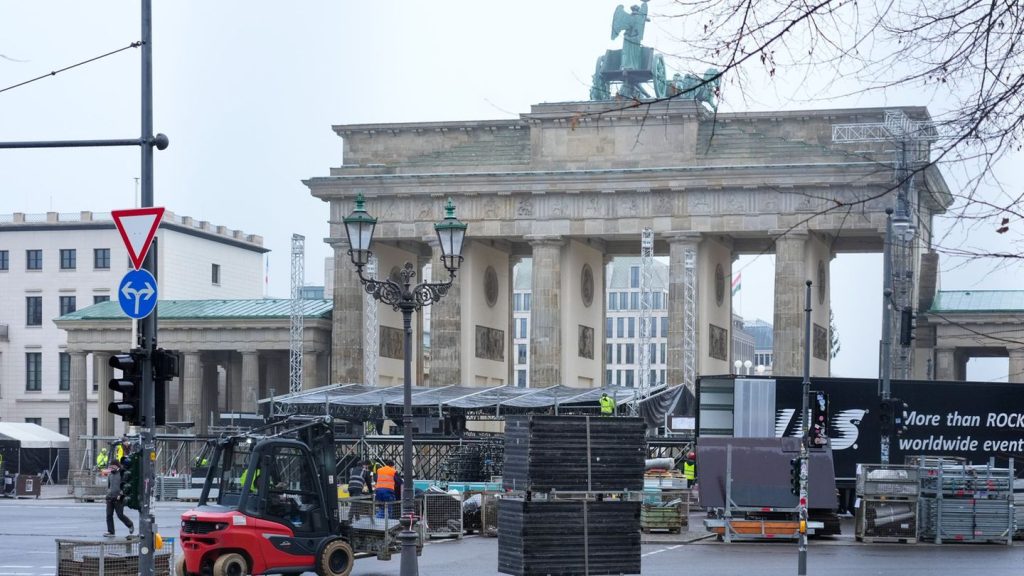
{"x":137,"y":293}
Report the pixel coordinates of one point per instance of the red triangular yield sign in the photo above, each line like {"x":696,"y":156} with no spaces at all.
{"x":137,"y":227}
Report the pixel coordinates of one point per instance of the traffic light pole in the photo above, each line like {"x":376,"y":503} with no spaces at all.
{"x":885,"y":364}
{"x":805,"y":427}
{"x":148,"y":325}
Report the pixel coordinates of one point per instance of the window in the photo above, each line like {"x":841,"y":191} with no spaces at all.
{"x":629,"y":378}
{"x":101,"y":258}
{"x":609,"y":350}
{"x":33,"y":259}
{"x":662,"y":377}
{"x":653,"y":377}
{"x":517,"y":303}
{"x":521,"y":378}
{"x":630,"y":350}
{"x":621,"y":324}
{"x":522,"y":328}
{"x":526,"y":302}
{"x":656,"y":300}
{"x":632,"y":327}
{"x":65,"y":372}
{"x":664,"y":359}
{"x":608,"y":325}
{"x":215,"y":274}
{"x":5,"y":260}
{"x":613,"y":301}
{"x":68,"y":259}
{"x":64,"y":425}
{"x":654,"y":355}
{"x":36,"y":421}
{"x":634,"y":276}
{"x":33,"y":310}
{"x":520,"y":353}
{"x":67,"y":305}
{"x":623,"y":300}
{"x":33,"y":371}
{"x":97,"y":298}
{"x":608,"y":374}
{"x":622,"y":377}
{"x":634,"y":301}
{"x":664,"y":326}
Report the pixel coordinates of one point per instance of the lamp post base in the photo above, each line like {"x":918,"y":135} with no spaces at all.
{"x":409,"y":565}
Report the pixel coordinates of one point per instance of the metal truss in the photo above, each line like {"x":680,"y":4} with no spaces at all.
{"x":295,"y":313}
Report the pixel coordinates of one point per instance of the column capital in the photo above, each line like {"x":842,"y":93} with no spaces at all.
{"x":1015,"y":352}
{"x":682,"y":237}
{"x":545,"y":240}
{"x":800,"y":234}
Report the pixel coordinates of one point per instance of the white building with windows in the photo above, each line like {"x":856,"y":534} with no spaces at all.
{"x":53,"y":264}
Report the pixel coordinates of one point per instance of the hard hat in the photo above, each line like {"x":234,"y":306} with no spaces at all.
{"x":103,"y":449}
{"x":691,"y":456}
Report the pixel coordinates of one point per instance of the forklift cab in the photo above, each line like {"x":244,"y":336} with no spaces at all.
{"x":274,"y":480}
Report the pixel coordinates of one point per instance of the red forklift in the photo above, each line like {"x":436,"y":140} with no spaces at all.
{"x":270,"y":506}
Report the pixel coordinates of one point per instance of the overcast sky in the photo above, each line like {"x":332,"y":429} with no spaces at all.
{"x":247,"y":92}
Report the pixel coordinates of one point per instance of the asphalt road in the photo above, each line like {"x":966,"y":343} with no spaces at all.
{"x":28,"y":529}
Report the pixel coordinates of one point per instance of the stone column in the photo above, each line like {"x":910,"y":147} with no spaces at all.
{"x":790,"y":278}
{"x":310,"y":370}
{"x":208,"y":391}
{"x":191,"y":385}
{"x":250,"y":380}
{"x":1016,"y":365}
{"x":104,"y":373}
{"x":545,"y":312}
{"x":945,"y":364}
{"x":234,"y":402}
{"x":78,"y":410}
{"x":347,"y":318}
{"x":445,"y":327}
{"x":678,"y":245}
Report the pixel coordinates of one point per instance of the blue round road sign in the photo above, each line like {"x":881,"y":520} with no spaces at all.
{"x":137,"y":293}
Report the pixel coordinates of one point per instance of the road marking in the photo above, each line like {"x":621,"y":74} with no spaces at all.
{"x":666,"y":549}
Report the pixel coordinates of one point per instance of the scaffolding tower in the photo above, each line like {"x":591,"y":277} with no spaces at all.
{"x":646,"y":287}
{"x":295,"y":313}
{"x":690,"y":317}
{"x":911,"y":138}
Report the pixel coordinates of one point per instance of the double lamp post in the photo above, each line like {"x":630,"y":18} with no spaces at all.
{"x":405,"y":298}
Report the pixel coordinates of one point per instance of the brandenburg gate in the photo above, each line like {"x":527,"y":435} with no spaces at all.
{"x":572,"y":185}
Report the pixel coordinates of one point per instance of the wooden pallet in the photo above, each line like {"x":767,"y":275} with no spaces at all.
{"x":661,"y":518}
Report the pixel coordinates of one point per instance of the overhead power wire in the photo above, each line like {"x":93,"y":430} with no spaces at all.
{"x":55,"y":72}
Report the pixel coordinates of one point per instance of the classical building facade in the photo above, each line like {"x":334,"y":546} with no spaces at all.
{"x":55,"y":264}
{"x":573,"y":184}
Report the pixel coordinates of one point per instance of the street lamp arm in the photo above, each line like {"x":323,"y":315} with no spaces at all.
{"x":403,"y":294}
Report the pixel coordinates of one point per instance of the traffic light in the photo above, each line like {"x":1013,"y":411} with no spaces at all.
{"x":899,"y":416}
{"x":906,"y":326}
{"x":794,"y":476}
{"x":817,"y":433}
{"x":165,"y":367}
{"x":129,"y":407}
{"x":886,"y":416}
{"x":131,"y":478}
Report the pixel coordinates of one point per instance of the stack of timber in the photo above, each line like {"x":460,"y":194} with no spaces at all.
{"x":574,"y":454}
{"x":570,"y":510}
{"x":568,"y":537}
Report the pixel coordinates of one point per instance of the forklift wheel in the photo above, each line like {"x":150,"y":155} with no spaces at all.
{"x":335,"y":559}
{"x":232,"y":564}
{"x":179,"y":566}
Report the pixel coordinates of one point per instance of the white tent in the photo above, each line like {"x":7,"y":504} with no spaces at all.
{"x":32,"y":449}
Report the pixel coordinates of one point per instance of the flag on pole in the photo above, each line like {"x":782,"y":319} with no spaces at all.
{"x":736,"y":282}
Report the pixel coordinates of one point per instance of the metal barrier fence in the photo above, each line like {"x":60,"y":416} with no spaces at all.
{"x":374,"y":525}
{"x":108,"y":558}
{"x":442,"y":514}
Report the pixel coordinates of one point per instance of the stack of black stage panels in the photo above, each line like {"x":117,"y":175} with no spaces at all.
{"x":550,"y":538}
{"x":585,"y":526}
{"x":544,"y":453}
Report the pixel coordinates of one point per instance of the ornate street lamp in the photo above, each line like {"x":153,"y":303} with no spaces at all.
{"x":406,"y":298}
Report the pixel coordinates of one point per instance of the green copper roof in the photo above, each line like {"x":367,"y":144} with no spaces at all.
{"x":979,"y":301}
{"x":210,"y":309}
